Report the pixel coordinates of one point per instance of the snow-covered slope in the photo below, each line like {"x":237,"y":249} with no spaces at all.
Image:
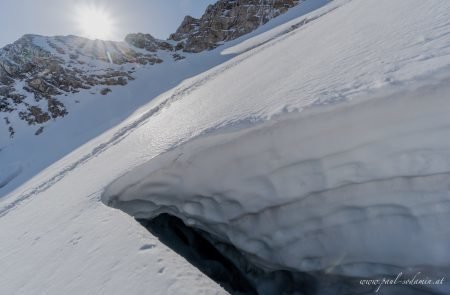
{"x":89,"y":113}
{"x":356,"y":184}
{"x":304,"y":191}
{"x":66,"y":90}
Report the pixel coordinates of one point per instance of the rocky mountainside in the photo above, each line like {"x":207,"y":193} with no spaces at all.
{"x":38,"y":75}
{"x":227,"y":20}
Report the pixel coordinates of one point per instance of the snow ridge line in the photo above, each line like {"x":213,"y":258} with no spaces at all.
{"x":286,"y":33}
{"x":125,"y":131}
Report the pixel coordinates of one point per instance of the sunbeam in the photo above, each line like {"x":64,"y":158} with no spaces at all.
{"x":95,"y":22}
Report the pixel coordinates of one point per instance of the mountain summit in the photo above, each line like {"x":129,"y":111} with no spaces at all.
{"x":227,"y":20}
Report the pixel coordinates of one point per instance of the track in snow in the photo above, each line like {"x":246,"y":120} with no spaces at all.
{"x":178,"y":94}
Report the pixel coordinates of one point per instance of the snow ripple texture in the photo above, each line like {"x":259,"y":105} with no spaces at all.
{"x":356,"y":189}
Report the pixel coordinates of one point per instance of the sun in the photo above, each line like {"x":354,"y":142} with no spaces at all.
{"x":94,"y":22}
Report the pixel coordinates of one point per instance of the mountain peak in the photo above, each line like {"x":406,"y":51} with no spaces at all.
{"x":227,"y":20}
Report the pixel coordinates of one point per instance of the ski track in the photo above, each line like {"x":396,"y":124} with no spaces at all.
{"x":177,"y":95}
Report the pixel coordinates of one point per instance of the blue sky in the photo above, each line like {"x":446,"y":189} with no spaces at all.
{"x":59,"y":17}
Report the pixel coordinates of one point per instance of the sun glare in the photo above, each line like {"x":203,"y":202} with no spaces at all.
{"x":95,"y":22}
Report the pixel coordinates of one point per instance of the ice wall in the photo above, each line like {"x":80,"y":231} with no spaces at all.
{"x":355,"y":189}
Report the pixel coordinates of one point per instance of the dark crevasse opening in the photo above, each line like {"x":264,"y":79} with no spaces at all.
{"x":189,"y":243}
{"x":223,"y":262}
{"x":226,"y":265}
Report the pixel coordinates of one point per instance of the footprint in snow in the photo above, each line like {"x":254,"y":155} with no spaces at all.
{"x":147,"y":247}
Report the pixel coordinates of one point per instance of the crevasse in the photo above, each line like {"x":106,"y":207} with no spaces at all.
{"x":355,"y":189}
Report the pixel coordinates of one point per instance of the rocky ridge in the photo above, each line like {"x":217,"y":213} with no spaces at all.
{"x":38,"y":74}
{"x":227,"y":20}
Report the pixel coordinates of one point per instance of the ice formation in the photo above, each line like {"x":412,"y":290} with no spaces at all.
{"x":355,"y":189}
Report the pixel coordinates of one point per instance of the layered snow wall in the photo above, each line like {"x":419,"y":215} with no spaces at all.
{"x":355,"y":189}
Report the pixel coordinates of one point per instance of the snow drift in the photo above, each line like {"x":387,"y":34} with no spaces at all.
{"x":350,"y":185}
{"x":358,"y":189}
{"x":356,"y":184}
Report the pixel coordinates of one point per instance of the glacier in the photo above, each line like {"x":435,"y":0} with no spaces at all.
{"x":356,"y":189}
{"x":319,"y":147}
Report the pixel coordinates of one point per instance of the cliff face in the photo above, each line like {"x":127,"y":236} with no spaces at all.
{"x":147,"y":42}
{"x":227,"y":20}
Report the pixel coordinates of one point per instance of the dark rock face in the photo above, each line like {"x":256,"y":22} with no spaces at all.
{"x":189,"y":26}
{"x":147,"y":42}
{"x":227,"y":20}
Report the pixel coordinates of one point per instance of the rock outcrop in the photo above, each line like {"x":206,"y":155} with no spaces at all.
{"x":147,"y":42}
{"x":227,"y":20}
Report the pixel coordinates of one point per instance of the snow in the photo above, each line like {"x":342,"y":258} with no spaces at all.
{"x":91,"y":113}
{"x":302,"y":192}
{"x":82,"y":247}
{"x":280,"y":25}
{"x":369,"y":151}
